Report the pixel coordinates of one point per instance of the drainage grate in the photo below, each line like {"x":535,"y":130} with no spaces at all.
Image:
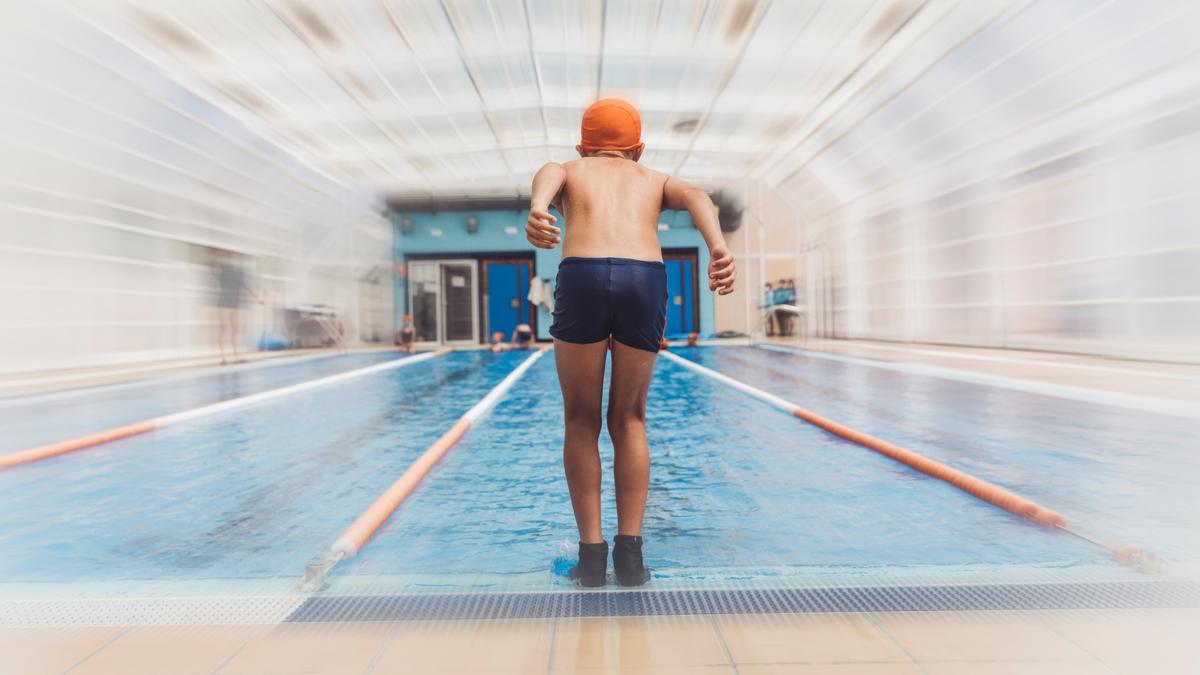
{"x":570,"y":604}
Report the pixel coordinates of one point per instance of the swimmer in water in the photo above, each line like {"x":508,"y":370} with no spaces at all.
{"x":612,"y":283}
{"x":522,"y":336}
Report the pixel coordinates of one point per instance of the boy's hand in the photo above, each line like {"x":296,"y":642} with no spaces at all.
{"x":540,"y":229}
{"x":720,"y":271}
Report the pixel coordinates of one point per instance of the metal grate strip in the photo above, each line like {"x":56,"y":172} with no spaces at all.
{"x":978,"y":597}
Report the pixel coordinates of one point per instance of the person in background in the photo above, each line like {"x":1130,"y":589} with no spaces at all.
{"x":231,"y":289}
{"x":693,"y":339}
{"x":498,"y":344}
{"x":406,"y":337}
{"x":778,"y":298}
{"x":522,"y":336}
{"x":767,"y":301}
{"x":789,"y":297}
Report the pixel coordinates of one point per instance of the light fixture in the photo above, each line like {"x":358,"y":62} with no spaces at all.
{"x":686,"y":126}
{"x":472,"y":224}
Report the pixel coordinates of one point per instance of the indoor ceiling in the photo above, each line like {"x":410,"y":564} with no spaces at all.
{"x":471,"y":96}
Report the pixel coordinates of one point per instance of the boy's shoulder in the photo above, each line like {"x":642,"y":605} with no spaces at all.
{"x":587,"y":164}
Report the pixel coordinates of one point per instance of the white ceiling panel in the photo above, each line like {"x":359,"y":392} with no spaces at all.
{"x":413,"y":95}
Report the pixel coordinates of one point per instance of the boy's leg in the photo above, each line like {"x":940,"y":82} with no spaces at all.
{"x":631,"y":373}
{"x":581,"y":376}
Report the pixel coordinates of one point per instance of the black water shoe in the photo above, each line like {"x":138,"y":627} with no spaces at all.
{"x":593,"y":564}
{"x":627,"y":561}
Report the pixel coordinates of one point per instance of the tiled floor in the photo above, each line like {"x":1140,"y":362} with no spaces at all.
{"x":1142,"y":642}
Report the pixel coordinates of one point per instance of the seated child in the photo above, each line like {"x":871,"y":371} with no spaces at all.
{"x":498,"y":344}
{"x":406,"y":337}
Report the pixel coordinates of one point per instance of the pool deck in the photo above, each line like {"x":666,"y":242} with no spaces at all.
{"x":1150,"y":379}
{"x":1105,"y":642}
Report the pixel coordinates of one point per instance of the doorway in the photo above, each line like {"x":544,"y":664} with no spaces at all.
{"x":683,"y":303}
{"x":506,"y":293}
{"x":444,"y":298}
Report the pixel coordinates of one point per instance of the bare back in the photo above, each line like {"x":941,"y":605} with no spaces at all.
{"x":611,"y":207}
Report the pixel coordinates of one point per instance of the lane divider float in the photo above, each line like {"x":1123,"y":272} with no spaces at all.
{"x":370,"y":520}
{"x":977,"y":487}
{"x":108,"y":435}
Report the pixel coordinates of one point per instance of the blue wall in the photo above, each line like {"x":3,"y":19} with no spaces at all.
{"x":492,"y":237}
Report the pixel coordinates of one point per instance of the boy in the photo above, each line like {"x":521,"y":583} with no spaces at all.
{"x":612,"y":282}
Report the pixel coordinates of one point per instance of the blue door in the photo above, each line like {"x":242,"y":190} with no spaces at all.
{"x":681,"y":295}
{"x":507,"y":290}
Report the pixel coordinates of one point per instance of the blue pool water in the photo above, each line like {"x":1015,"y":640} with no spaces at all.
{"x":736,"y":485}
{"x":254,"y":493}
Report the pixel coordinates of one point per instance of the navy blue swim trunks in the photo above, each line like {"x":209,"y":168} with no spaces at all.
{"x":598,"y":297}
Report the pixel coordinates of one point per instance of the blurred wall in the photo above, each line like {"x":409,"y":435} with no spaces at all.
{"x":765,"y":251}
{"x":1031,"y":187}
{"x":121,"y":182}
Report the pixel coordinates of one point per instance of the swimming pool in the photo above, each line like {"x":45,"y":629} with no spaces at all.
{"x":739,"y":490}
{"x":734,"y":484}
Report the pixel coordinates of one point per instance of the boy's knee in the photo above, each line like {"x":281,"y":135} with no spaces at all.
{"x":622,"y":419}
{"x":582,"y":421}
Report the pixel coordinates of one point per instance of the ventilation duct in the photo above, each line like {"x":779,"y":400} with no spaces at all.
{"x":729,"y":210}
{"x":729,"y":206}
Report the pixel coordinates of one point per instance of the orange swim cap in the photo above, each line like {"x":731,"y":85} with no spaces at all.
{"x":611,"y":124}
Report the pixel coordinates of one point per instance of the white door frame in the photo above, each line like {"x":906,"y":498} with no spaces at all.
{"x":441,"y":295}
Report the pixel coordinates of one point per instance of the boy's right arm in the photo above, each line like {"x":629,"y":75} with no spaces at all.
{"x":682,"y":195}
{"x":547,"y":183}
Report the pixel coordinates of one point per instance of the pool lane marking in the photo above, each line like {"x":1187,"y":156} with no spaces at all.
{"x":1150,"y":404}
{"x":100,"y":437}
{"x":977,"y":487}
{"x":369,"y":521}
{"x":364,"y":527}
{"x":1028,"y":362}
{"x":196,"y":368}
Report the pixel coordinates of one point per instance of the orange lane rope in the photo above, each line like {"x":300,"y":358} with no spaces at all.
{"x":993,"y":494}
{"x":374,"y":516}
{"x":55,"y":449}
{"x":1144,"y":560}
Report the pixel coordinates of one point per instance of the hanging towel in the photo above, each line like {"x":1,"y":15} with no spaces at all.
{"x":540,"y":294}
